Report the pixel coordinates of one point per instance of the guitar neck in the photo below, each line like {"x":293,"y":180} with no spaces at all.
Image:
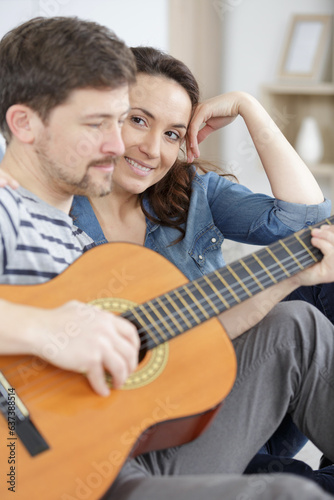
{"x":181,"y":309}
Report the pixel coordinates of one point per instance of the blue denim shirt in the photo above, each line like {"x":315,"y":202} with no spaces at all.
{"x":218,"y":209}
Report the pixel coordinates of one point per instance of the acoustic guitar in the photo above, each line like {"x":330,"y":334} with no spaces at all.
{"x":61,"y":441}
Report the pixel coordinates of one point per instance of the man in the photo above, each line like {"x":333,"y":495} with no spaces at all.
{"x":63,"y":101}
{"x":63,"y":98}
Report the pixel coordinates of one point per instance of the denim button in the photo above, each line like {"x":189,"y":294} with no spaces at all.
{"x":213,"y":240}
{"x":200,"y":257}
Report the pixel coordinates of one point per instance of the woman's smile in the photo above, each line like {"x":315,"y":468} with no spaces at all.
{"x":138,"y":168}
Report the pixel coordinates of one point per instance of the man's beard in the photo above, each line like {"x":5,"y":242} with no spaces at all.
{"x":60,"y":174}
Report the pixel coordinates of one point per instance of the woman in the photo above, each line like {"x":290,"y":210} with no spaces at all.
{"x":160,"y":201}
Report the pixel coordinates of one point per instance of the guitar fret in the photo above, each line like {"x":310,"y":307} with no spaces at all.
{"x":134,"y":311}
{"x":153,"y":323}
{"x":306,"y":248}
{"x":217,"y":292}
{"x":186,"y":305}
{"x":291,"y":254}
{"x":176,"y":323}
{"x":195,"y":301}
{"x":234,"y":295}
{"x":180,"y":312}
{"x":158,"y":315}
{"x":251,"y":274}
{"x":206,"y":297}
{"x":259,"y":261}
{"x":235,"y":275}
{"x":278,"y":262}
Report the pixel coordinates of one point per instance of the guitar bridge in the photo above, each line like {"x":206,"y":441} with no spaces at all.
{"x":18,"y":420}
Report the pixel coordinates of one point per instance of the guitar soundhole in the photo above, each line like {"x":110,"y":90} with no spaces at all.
{"x":151,"y":361}
{"x":142,"y":352}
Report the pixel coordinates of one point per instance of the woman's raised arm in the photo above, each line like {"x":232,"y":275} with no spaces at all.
{"x":289,"y":177}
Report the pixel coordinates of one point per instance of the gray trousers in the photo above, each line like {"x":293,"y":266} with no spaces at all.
{"x":285,"y":365}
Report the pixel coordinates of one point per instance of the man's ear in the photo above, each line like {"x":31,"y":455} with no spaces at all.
{"x":22,"y":122}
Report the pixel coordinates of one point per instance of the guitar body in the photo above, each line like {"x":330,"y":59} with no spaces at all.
{"x":168,"y":401}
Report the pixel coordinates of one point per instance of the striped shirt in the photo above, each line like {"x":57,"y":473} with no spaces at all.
{"x":38,"y":241}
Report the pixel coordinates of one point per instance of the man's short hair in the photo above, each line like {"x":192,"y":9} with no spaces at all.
{"x":44,"y":59}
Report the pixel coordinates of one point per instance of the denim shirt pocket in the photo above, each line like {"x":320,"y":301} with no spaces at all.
{"x":206,"y":247}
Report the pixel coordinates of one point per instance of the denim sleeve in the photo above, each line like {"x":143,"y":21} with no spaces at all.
{"x":256,"y":218}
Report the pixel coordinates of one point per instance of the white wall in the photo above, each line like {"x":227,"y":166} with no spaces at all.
{"x":136,"y":22}
{"x":13,"y":12}
{"x":254,"y":34}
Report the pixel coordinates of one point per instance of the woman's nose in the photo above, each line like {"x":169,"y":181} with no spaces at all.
{"x":150,"y":145}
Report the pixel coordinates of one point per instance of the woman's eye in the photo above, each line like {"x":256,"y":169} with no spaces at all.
{"x":137,"y":120}
{"x":173,"y":135}
{"x":94,"y":125}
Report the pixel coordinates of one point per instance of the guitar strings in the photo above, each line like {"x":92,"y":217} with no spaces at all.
{"x":238,"y":266}
{"x":245,"y":281}
{"x":234,"y":286}
{"x":149,"y":342}
{"x":278,"y":247}
{"x":249,"y":277}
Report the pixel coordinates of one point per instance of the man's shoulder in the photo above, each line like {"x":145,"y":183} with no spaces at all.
{"x":7,"y":193}
{"x":17,"y":204}
{"x":16,"y":197}
{"x":10,"y":203}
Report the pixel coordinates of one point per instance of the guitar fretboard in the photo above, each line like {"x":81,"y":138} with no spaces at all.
{"x":179,"y":310}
